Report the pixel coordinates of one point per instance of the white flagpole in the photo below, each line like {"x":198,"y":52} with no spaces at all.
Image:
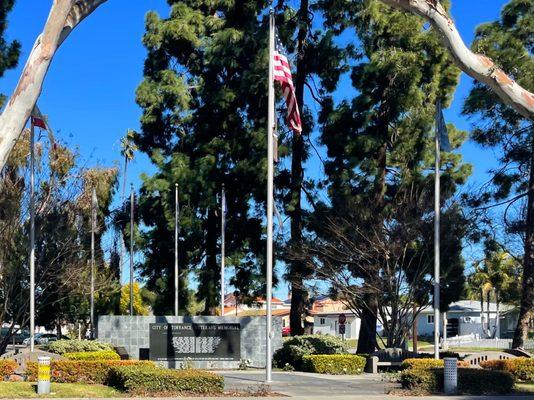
{"x":270,"y":190}
{"x":32,"y":236}
{"x":93,"y":227}
{"x":132,"y":199}
{"x":223,"y":244}
{"x":176,"y":230}
{"x":436,"y":237}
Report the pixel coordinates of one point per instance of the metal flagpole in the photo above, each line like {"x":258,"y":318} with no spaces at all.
{"x":223,"y":243}
{"x":176,"y":222}
{"x":436,"y":237}
{"x":131,"y":248}
{"x":270,"y":174}
{"x":93,"y":227}
{"x":32,"y":236}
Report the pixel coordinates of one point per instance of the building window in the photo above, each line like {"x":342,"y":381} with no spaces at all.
{"x":430,"y":319}
{"x":322,"y":321}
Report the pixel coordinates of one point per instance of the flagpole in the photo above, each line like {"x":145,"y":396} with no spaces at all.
{"x":270,"y":190}
{"x":93,"y":226}
{"x":223,"y":244}
{"x":436,"y":237}
{"x":32,"y":236}
{"x":131,"y":249}
{"x":176,"y":281}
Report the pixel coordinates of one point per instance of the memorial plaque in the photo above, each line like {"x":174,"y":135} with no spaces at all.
{"x":200,"y":342}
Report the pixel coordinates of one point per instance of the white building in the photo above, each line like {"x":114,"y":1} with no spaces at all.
{"x":327,"y":323}
{"x":464,"y":317}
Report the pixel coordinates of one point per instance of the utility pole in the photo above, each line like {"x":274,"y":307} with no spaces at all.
{"x":437,"y":210}
{"x":32,"y":236}
{"x":176,"y":233}
{"x":132,"y":199}
{"x":270,"y":190}
{"x":223,"y":244}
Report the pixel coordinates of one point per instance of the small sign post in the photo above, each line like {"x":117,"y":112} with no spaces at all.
{"x":43,"y":375}
{"x":342,"y":320}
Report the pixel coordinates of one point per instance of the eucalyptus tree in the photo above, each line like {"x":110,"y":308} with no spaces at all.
{"x":509,"y":41}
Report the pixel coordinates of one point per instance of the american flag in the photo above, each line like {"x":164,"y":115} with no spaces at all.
{"x":282,"y":74}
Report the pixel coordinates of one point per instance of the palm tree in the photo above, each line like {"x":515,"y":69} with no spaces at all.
{"x":496,"y":275}
{"x":128,"y":149}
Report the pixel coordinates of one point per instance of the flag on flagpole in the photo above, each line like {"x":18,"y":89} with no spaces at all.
{"x":282,"y":74}
{"x":38,"y":119}
{"x":441,"y":126}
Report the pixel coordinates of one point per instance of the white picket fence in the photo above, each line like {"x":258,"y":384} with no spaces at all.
{"x":471,"y":341}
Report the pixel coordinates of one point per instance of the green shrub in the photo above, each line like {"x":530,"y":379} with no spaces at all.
{"x":521,"y":368}
{"x":7,"y":368}
{"x":470,"y":381}
{"x":428,"y":363}
{"x":93,"y":355}
{"x":336,"y":364}
{"x":297,"y":347}
{"x":421,"y":363}
{"x":77,"y":346}
{"x":71,"y":371}
{"x":143,"y":381}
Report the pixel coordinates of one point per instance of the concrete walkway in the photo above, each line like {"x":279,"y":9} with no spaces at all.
{"x":306,"y":385}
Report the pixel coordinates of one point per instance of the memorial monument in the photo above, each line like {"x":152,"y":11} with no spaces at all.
{"x":206,"y":342}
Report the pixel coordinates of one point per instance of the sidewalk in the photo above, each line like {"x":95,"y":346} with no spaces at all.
{"x":307,"y":385}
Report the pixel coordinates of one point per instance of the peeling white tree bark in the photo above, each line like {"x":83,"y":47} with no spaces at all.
{"x":64,"y":16}
{"x":477,"y":66}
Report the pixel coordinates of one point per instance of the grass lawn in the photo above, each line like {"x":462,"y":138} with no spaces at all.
{"x":29,"y":389}
{"x":473,"y":349}
{"x":525,"y":387}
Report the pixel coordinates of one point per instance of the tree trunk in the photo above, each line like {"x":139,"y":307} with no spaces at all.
{"x":414,"y":330}
{"x":367,"y":338}
{"x":488,"y":331}
{"x":298,"y":269}
{"x":482,"y":310}
{"x":497,"y":316}
{"x":477,"y":66}
{"x":64,"y":16}
{"x":527,"y":295}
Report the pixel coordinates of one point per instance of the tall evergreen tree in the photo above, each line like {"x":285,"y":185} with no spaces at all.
{"x":9,"y":51}
{"x":203,"y":125}
{"x":510,"y":42}
{"x":380,"y":144}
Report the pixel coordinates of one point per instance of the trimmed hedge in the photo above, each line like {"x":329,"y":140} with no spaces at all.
{"x":92,"y":355}
{"x":72,"y":371}
{"x":470,"y":381}
{"x":7,"y":368}
{"x":144,"y":381}
{"x":336,"y":364}
{"x":521,"y":368}
{"x":297,"y":347}
{"x":428,"y":363}
{"x":77,"y":346}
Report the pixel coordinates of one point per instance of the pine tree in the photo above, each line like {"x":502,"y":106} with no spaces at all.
{"x":380,"y":144}
{"x":9,"y":52}
{"x":203,"y":126}
{"x":509,"y":41}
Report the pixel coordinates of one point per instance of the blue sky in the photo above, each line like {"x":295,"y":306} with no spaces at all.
{"x":89,"y":92}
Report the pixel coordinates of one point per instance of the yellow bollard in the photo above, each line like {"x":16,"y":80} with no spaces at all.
{"x":43,"y":375}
